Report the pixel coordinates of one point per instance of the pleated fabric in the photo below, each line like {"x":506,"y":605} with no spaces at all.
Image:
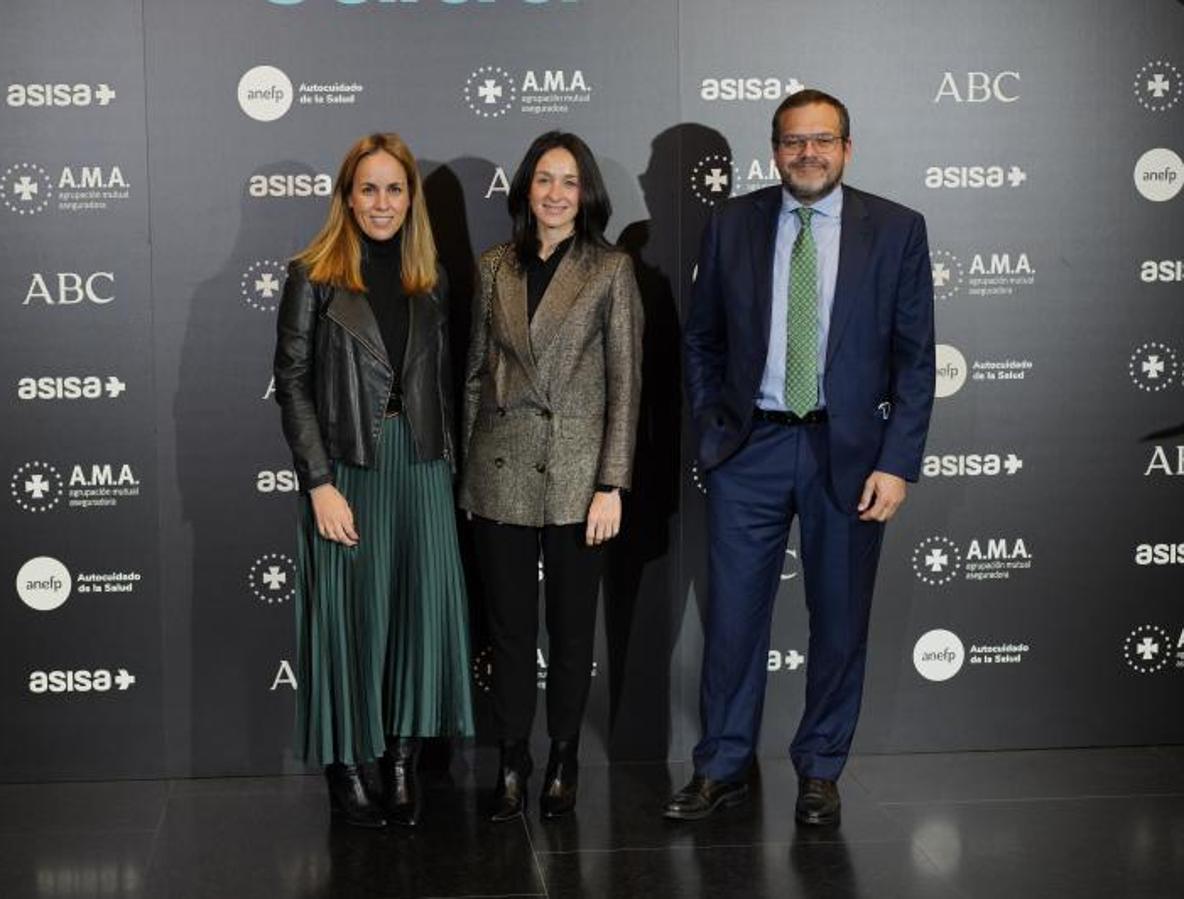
{"x":382,"y":628}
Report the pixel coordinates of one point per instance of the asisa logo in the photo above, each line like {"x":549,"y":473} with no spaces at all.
{"x":280,"y":481}
{"x":81,"y":680}
{"x":492,"y":91}
{"x":70,"y":387}
{"x":1164,"y":271}
{"x":290,"y":184}
{"x":1159,"y":554}
{"x":747,"y":88}
{"x":971,"y":465}
{"x":974,"y":177}
{"x":38,"y":96}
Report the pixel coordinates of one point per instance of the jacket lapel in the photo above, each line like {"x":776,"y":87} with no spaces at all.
{"x":510,"y":307}
{"x":855,"y":243}
{"x":762,"y":226}
{"x":351,"y":310}
{"x":569,"y":279}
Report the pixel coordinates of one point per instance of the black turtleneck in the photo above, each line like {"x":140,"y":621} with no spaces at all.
{"x":382,"y":273}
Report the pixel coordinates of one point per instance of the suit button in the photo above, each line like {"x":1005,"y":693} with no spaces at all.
{"x":540,"y":468}
{"x":545,"y":413}
{"x":499,"y":462}
{"x":501,"y":410}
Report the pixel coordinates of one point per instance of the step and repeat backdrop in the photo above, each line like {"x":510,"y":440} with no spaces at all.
{"x":161,"y":159}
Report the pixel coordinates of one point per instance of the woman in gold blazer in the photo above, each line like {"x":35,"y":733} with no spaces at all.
{"x":551,"y":404}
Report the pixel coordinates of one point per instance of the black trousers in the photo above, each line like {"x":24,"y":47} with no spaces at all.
{"x":508,"y":558}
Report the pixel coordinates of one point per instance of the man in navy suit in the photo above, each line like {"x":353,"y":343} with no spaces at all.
{"x":810,"y":374}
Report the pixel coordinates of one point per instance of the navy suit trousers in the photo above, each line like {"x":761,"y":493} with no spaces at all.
{"x":752,"y":497}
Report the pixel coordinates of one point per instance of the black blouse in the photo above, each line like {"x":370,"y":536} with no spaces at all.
{"x":539,"y":274}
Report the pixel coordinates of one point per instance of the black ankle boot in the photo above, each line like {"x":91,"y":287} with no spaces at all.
{"x":509,"y":799}
{"x":401,"y":793}
{"x":559,"y":783}
{"x":348,"y":800}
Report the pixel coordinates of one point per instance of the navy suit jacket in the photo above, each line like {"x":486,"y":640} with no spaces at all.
{"x":879,"y":374}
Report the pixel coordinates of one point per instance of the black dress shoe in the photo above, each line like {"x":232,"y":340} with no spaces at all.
{"x":401,"y":793}
{"x":348,"y":800}
{"x":559,"y":783}
{"x":509,"y":796}
{"x":702,"y":796}
{"x":818,"y":802}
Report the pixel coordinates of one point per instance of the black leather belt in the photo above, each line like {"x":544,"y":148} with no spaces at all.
{"x":813,"y":417}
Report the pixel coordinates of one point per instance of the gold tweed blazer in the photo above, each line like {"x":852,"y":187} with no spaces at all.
{"x":551,"y":404}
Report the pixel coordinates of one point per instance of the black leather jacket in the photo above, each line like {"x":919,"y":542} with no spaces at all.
{"x":333,"y":377}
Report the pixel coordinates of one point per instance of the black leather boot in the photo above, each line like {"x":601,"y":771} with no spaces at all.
{"x":509,"y":799}
{"x":348,"y":800}
{"x":559,"y":783}
{"x":401,"y":793}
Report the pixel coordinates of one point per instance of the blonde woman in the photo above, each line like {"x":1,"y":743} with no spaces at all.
{"x":361,"y":378}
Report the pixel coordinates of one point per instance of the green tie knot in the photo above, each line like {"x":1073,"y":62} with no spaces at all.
{"x":804,"y":213}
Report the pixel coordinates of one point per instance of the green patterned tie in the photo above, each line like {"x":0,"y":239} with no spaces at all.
{"x":801,"y":351}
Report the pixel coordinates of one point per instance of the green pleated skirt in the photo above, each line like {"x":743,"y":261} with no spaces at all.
{"x":382,"y":627}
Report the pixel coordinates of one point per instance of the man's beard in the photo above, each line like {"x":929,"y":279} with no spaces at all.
{"x":807,"y":193}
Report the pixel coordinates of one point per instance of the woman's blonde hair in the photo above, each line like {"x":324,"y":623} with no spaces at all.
{"x":335,"y":255}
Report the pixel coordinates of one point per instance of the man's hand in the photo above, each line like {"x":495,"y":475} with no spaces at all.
{"x":882,"y":495}
{"x":335,"y":519}
{"x":604,"y":517}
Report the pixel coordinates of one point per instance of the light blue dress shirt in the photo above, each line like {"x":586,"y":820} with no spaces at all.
{"x":825,"y":223}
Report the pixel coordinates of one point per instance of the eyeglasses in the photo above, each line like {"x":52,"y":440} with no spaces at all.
{"x":796,"y":143}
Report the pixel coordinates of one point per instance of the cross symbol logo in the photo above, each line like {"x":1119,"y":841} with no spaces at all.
{"x":793,"y":86}
{"x":941,"y":274}
{"x":274,"y":578}
{"x":936,"y":560}
{"x":1016,"y":176}
{"x":1147,"y":649}
{"x":489,"y":91}
{"x":1153,"y":366}
{"x":1013,"y":463}
{"x":114,"y":387}
{"x":37,"y":486}
{"x":104,"y":94}
{"x":794,"y":659}
{"x":1159,"y":85}
{"x":267,"y":285}
{"x":716,"y":180}
{"x":124,"y":679}
{"x":26,"y":187}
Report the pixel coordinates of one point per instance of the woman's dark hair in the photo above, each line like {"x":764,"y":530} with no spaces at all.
{"x":595,"y":207}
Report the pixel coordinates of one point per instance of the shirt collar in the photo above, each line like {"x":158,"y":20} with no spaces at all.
{"x":830,"y":206}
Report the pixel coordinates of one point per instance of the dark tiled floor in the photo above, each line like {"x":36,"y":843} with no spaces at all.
{"x":1080,"y":823}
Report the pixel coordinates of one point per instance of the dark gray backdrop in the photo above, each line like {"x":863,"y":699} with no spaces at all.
{"x":147,"y":214}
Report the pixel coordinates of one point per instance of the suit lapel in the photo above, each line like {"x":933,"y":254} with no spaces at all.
{"x":567,"y":282}
{"x":762,"y":226}
{"x":855,"y":243}
{"x":510,"y":307}
{"x":351,"y":310}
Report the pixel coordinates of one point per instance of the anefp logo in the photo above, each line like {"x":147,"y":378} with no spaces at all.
{"x":43,"y":583}
{"x":265,"y":93}
{"x":938,"y":655}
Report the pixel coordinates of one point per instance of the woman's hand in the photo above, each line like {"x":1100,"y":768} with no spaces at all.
{"x":604,"y":517}
{"x":335,"y":519}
